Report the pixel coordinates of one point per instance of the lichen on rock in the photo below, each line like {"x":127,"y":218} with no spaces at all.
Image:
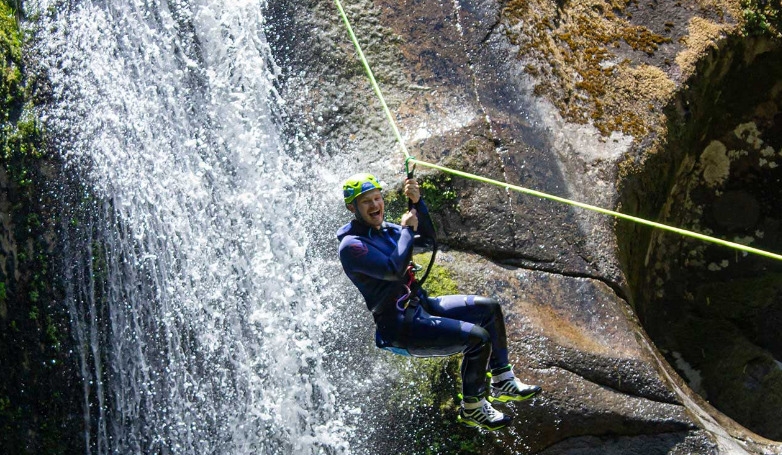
{"x":715,"y":163}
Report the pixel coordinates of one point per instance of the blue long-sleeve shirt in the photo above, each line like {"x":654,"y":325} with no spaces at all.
{"x":376,"y":260}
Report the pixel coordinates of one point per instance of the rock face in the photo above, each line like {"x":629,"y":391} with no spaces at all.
{"x":40,"y":391}
{"x":613,"y":104}
{"x":710,"y":310}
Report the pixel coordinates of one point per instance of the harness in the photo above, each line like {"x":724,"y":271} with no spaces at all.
{"x":407,"y":304}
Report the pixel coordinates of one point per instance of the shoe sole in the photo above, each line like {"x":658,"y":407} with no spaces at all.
{"x":472,"y":423}
{"x":504,"y":398}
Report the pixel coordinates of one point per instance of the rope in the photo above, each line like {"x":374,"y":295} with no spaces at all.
{"x":409,"y":159}
{"x":372,"y":80}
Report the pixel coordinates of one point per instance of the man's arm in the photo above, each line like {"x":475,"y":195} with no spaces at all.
{"x":358,"y":256}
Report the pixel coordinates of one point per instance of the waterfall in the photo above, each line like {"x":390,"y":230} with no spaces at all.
{"x":197,"y":305}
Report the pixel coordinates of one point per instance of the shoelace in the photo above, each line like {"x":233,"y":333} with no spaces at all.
{"x":491,"y":413}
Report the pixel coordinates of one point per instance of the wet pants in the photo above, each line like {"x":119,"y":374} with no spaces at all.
{"x":452,"y":324}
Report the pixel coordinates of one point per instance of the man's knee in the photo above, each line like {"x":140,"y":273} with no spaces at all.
{"x":490,"y":308}
{"x":478,"y":336}
{"x":486,"y":301}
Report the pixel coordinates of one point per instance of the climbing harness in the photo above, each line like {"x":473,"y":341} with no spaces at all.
{"x":404,"y":301}
{"x":508,"y":187}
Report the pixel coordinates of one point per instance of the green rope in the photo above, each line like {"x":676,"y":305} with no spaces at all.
{"x":372,"y":80}
{"x":409,"y":159}
{"x":593,"y":208}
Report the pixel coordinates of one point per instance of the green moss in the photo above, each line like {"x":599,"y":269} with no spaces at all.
{"x":440,"y":280}
{"x":762,"y":17}
{"x":41,"y":417}
{"x":567,"y":45}
{"x":52,"y":334}
{"x":439,"y":192}
{"x":22,"y":147}
{"x":10,"y":59}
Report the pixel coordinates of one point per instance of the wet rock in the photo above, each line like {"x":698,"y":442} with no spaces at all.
{"x":576,"y":99}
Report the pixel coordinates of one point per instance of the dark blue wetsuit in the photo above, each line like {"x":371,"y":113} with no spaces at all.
{"x":376,"y":261}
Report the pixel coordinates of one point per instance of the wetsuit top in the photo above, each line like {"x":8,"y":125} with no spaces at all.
{"x":376,"y":260}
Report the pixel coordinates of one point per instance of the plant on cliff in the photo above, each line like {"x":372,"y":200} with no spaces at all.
{"x":762,"y":17}
{"x":39,"y":408}
{"x":437,"y":190}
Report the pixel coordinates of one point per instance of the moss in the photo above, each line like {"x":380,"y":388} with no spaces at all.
{"x":572,"y":51}
{"x":427,"y":396}
{"x":437,"y":190}
{"x":10,"y":59}
{"x":762,"y":17}
{"x":42,"y":416}
{"x":440,"y":280}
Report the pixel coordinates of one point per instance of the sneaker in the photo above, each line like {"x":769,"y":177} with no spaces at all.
{"x":506,"y":387}
{"x":513,"y":390}
{"x":477,"y":412}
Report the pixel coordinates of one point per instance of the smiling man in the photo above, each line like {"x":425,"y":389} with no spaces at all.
{"x":376,"y":256}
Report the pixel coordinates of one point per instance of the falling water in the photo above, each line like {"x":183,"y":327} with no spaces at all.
{"x":197,"y":307}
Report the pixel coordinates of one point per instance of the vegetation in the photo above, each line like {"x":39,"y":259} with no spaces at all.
{"x":596,"y":65}
{"x":577,"y":54}
{"x":762,"y":17}
{"x":437,"y":190}
{"x":39,"y":407}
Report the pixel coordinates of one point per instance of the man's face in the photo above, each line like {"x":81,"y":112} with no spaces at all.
{"x":371,"y":208}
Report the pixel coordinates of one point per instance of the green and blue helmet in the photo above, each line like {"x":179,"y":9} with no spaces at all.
{"x":357,"y":185}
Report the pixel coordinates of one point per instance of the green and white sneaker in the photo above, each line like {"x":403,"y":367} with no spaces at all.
{"x":477,"y":412}
{"x":506,"y":387}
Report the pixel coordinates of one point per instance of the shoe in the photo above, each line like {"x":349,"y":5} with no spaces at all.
{"x":477,"y":412}
{"x":506,"y":387}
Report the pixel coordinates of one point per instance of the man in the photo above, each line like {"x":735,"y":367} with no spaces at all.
{"x":376,"y":257}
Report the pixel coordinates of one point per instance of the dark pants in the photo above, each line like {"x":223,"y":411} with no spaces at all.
{"x":452,"y":324}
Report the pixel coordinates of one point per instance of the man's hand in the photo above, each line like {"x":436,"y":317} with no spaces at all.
{"x":410,"y":219}
{"x":412,"y":191}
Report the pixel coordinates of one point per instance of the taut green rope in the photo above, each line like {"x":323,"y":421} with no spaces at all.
{"x":593,"y":208}
{"x":372,"y":80}
{"x":409,"y":159}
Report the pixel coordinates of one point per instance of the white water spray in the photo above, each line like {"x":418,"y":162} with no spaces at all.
{"x":197,"y":317}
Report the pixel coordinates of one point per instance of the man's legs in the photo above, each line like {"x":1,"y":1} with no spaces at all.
{"x":487,"y":313}
{"x":430,"y":335}
{"x":482,"y":311}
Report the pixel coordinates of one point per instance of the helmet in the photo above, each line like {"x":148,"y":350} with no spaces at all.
{"x":359,"y":184}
